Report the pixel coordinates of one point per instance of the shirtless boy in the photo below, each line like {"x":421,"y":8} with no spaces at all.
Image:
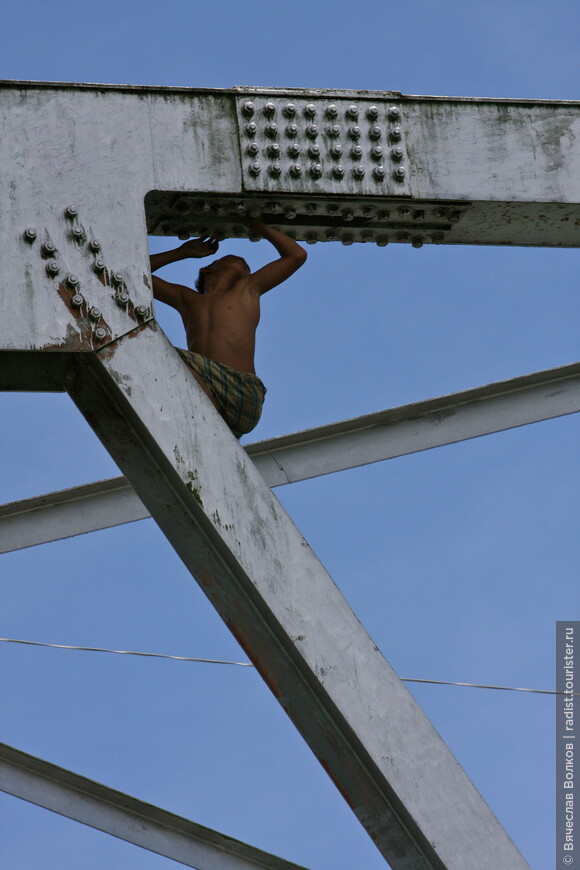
{"x":221,"y":318}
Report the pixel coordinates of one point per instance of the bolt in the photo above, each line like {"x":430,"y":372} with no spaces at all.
{"x":376,"y":152}
{"x":251,"y":128}
{"x":356,"y":152}
{"x":334,"y":131}
{"x":314,"y":151}
{"x":271,"y":130}
{"x":100,"y":334}
{"x":269,"y":110}
{"x":99,"y":265}
{"x":310,"y":110}
{"x":418,"y":214}
{"x":252,"y":149}
{"x":77,"y":232}
{"x":122,"y":298}
{"x":336,"y":151}
{"x":375,"y":132}
{"x":48,"y":249}
{"x":117,"y":278}
{"x":206,"y":206}
{"x":52,"y":268}
{"x":142,"y":311}
{"x":71,"y":211}
{"x":331,"y":111}
{"x":397,"y":153}
{"x":71,"y":281}
{"x":77,"y":300}
{"x":293,"y":150}
{"x":290,"y":214}
{"x":255,"y":212}
{"x":338,"y":171}
{"x":312,"y":131}
{"x":331,"y":236}
{"x":381,"y":241}
{"x":395,"y":134}
{"x":354,"y":132}
{"x":347,"y":215}
{"x":441,"y":212}
{"x":352,"y":112}
{"x":95,"y":313}
{"x":273,"y":150}
{"x":399,"y":173}
{"x":311,"y":239}
{"x":30,"y":234}
{"x":292,"y":130}
{"x":394,"y":112}
{"x":248,"y":109}
{"x":379,"y":172}
{"x":316,"y":170}
{"x":274,"y":169}
{"x":368,"y":211}
{"x":289,"y":110}
{"x":95,"y":245}
{"x":295,"y":170}
{"x":347,"y":239}
{"x":367,"y":236}
{"x":417,"y":242}
{"x":255,"y":169}
{"x":404,"y":211}
{"x":358,"y":172}
{"x":372,"y":113}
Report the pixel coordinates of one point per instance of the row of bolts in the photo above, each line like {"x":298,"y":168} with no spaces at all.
{"x":49,"y":249}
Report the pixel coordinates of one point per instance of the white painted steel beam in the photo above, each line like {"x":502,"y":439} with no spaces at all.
{"x":210,"y":501}
{"x":323,"y":450}
{"x":127,"y":818}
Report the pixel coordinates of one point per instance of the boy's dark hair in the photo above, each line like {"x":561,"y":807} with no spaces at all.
{"x":200,"y":282}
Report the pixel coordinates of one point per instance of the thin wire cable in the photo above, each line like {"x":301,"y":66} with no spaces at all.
{"x":126,"y":652}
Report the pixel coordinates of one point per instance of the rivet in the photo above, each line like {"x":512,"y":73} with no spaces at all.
{"x":71,"y":280}
{"x":310,"y":110}
{"x":336,"y":150}
{"x":95,"y":245}
{"x":376,"y":152}
{"x":381,"y":241}
{"x":71,"y":211}
{"x":372,"y":113}
{"x":379,"y":172}
{"x":99,"y":265}
{"x":290,"y":214}
{"x":399,"y":173}
{"x":334,"y":131}
{"x":248,"y":109}
{"x":289,"y":110}
{"x":375,"y":132}
{"x":358,"y":172}
{"x":95,"y":313}
{"x":292,"y":130}
{"x":338,"y":171}
{"x":354,"y":132}
{"x":30,"y":234}
{"x":273,"y":150}
{"x":141,"y":311}
{"x":347,"y":239}
{"x":314,"y":151}
{"x":52,"y":268}
{"x":394,"y":112}
{"x":356,"y":152}
{"x":311,"y":239}
{"x":255,"y":169}
{"x":397,"y":153}
{"x":417,"y":242}
{"x":331,"y":111}
{"x":77,"y":300}
{"x":312,"y":131}
{"x":293,"y":150}
{"x":274,"y":169}
{"x":315,"y":170}
{"x":395,"y":134}
{"x":122,"y":298}
{"x":347,"y":215}
{"x":269,"y":110}
{"x":117,"y":278}
{"x":77,"y":232}
{"x":295,"y":170}
{"x":100,"y":334}
{"x":271,"y":130}
{"x":251,"y":128}
{"x":48,"y":249}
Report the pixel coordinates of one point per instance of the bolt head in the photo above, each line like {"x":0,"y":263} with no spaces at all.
{"x":331,"y":111}
{"x":310,"y":110}
{"x":375,"y":132}
{"x":334,"y":131}
{"x":358,"y":172}
{"x":269,"y":109}
{"x":352,"y":112}
{"x":95,"y":245}
{"x":293,"y":150}
{"x":292,"y":130}
{"x":122,"y":298}
{"x":117,"y":277}
{"x":376,"y":152}
{"x":348,"y":215}
{"x":71,"y":211}
{"x":48,"y":249}
{"x":290,"y":214}
{"x":248,"y":109}
{"x":372,"y":113}
{"x":95,"y":313}
{"x":354,"y":132}
{"x":99,"y":265}
{"x":338,"y":171}
{"x":399,"y":173}
{"x":397,"y":153}
{"x":274,"y":169}
{"x":314,"y":151}
{"x":316,"y":170}
{"x":395,"y":134}
{"x":252,"y":149}
{"x":52,"y":268}
{"x":255,"y":169}
{"x":311,"y":239}
{"x":77,"y":300}
{"x":77,"y":232}
{"x":295,"y":170}
{"x":100,"y":334}
{"x":394,"y":112}
{"x":71,"y":280}
{"x":30,"y":234}
{"x":379,"y":172}
{"x":271,"y":130}
{"x":356,"y":152}
{"x":289,"y":110}
{"x":381,"y":241}
{"x":274,"y":150}
{"x":251,"y":128}
{"x":141,"y":311}
{"x":347,"y":239}
{"x":417,"y":242}
{"x":312,"y":131}
{"x":336,"y":150}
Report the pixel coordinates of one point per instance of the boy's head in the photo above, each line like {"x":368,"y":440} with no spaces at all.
{"x":236,"y":266}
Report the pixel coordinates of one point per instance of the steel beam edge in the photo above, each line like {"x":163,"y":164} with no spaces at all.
{"x":83,"y":800}
{"x":313,"y":452}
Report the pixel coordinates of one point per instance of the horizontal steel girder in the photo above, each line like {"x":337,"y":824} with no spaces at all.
{"x":127,"y":818}
{"x":356,"y":715}
{"x":324,"y":450}
{"x":99,"y":165}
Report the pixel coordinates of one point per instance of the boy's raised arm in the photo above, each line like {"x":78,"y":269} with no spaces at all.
{"x":292,"y":256}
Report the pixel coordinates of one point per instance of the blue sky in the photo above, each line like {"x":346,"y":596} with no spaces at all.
{"x":458,"y":560}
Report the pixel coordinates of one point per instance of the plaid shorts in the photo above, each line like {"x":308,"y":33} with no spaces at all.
{"x":238,"y":396}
